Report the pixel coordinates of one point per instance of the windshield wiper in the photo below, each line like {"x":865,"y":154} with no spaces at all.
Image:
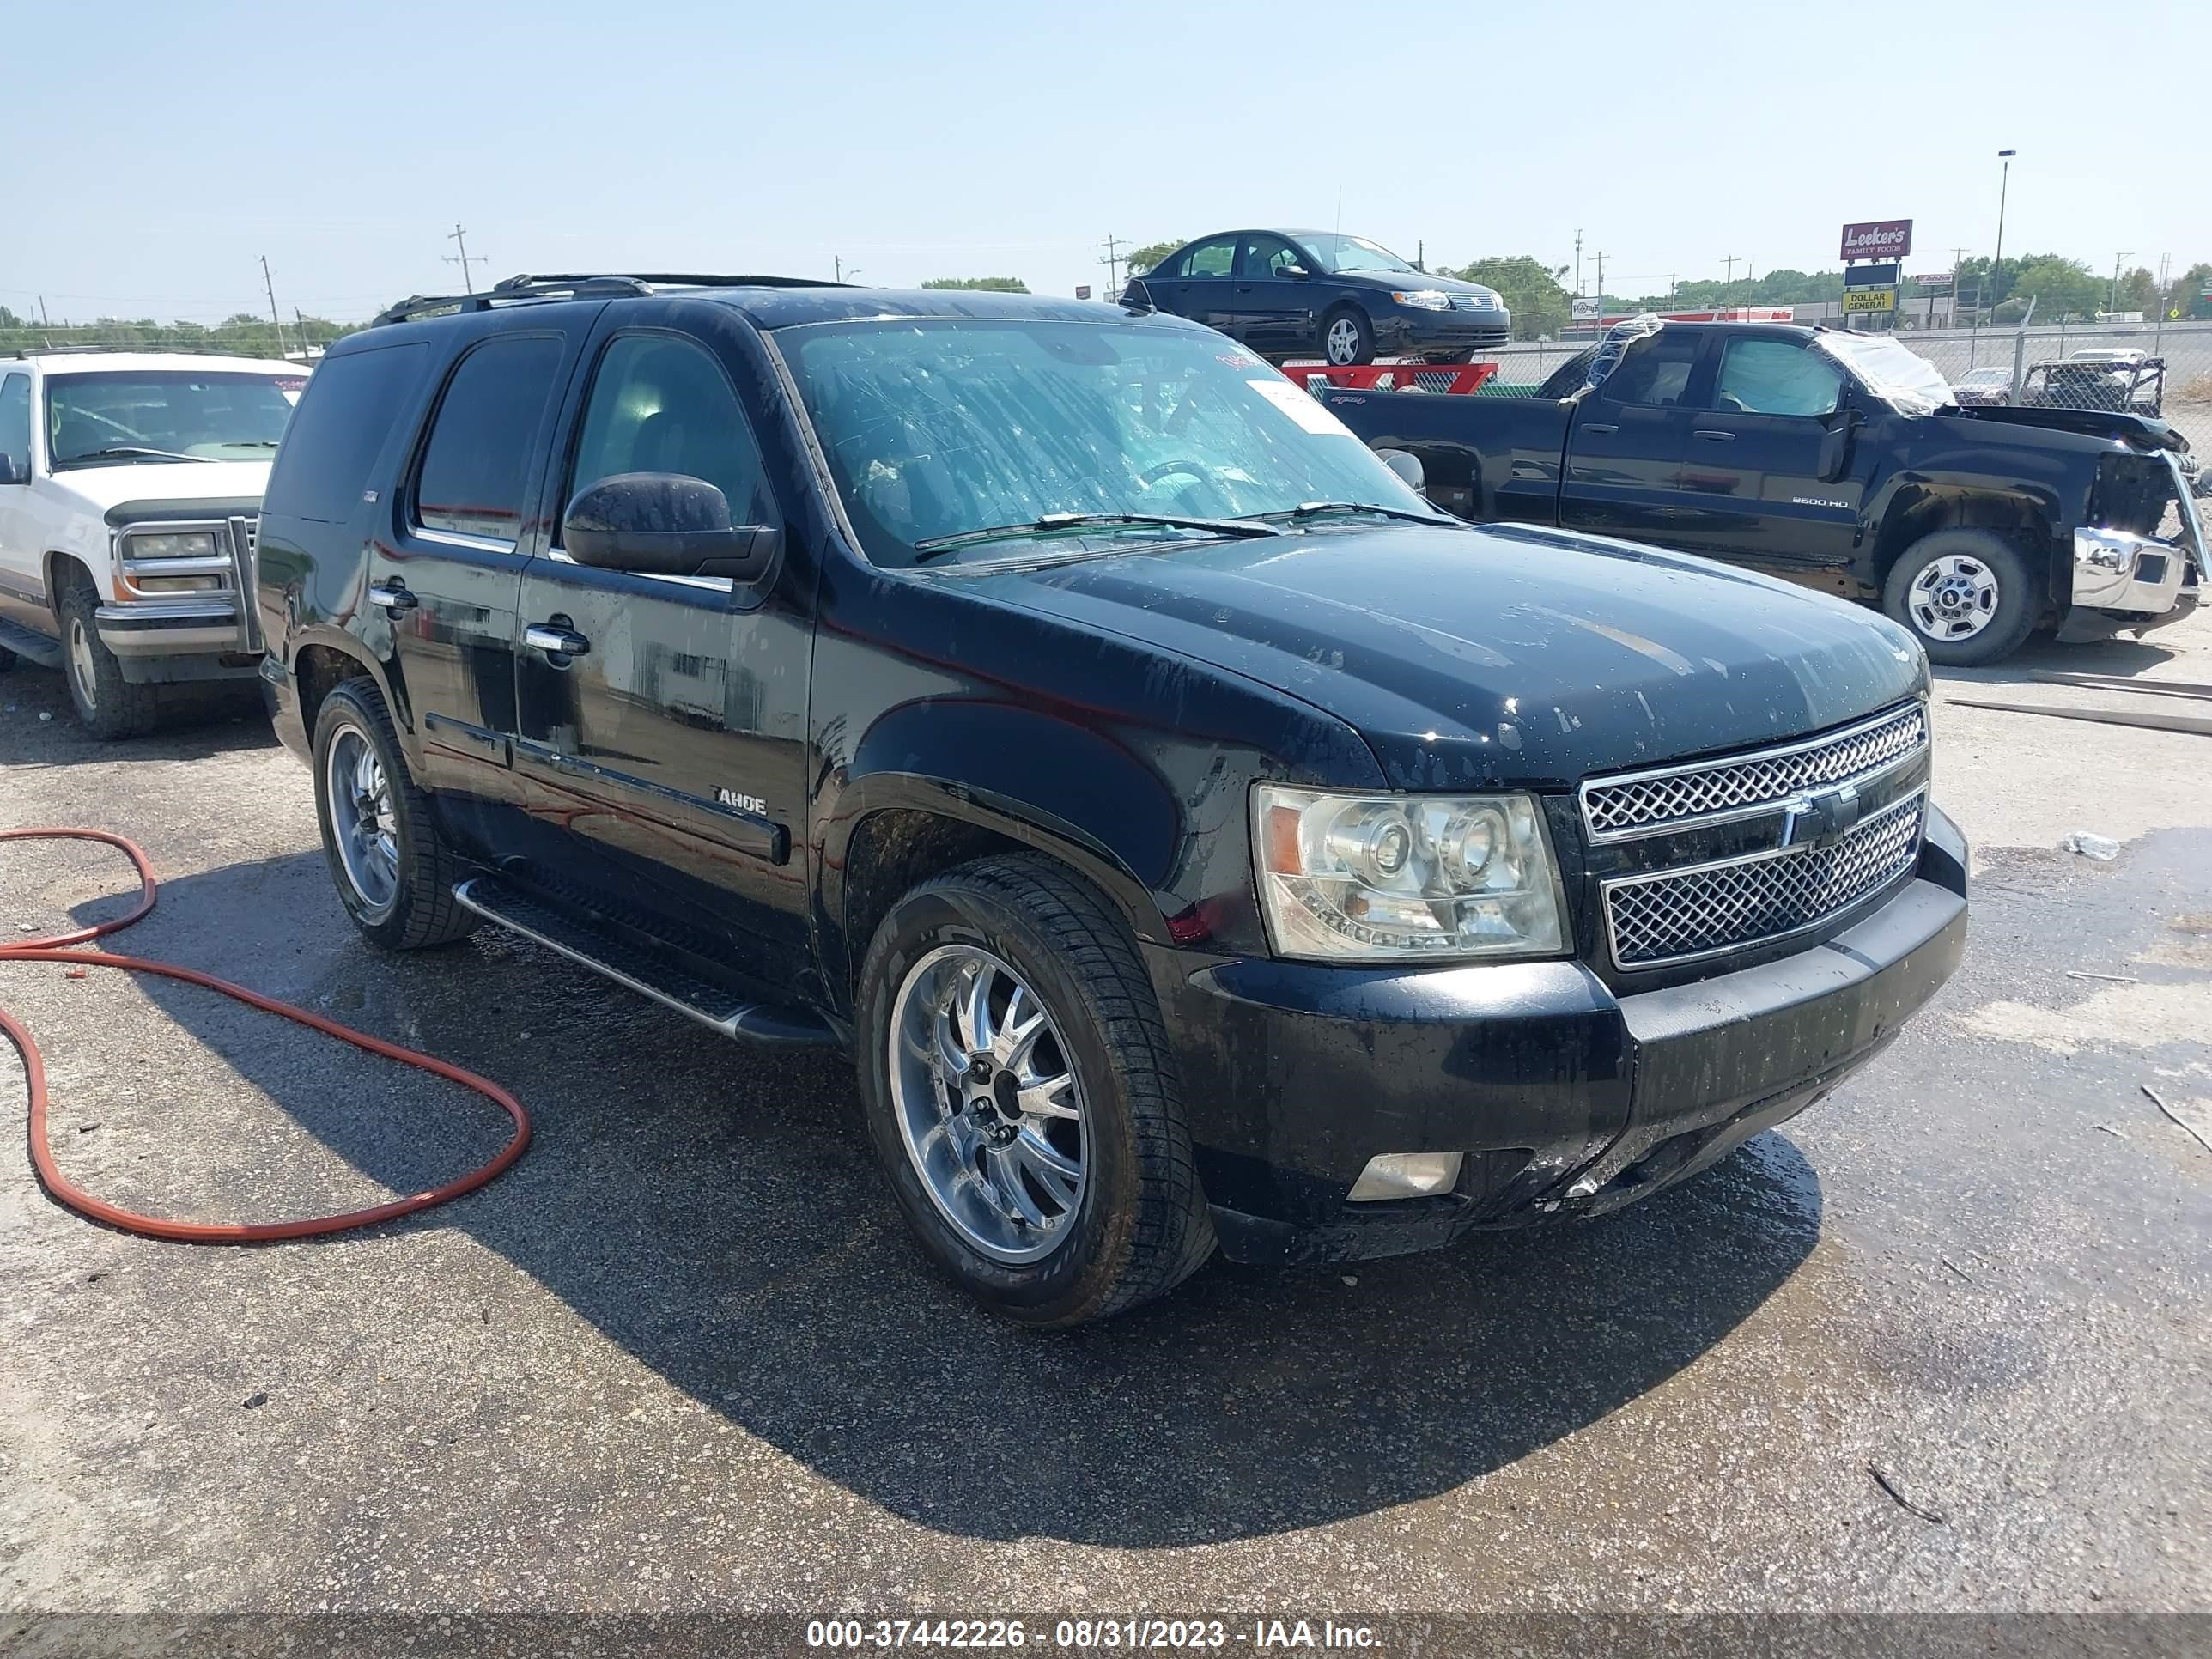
{"x":1305,"y":510}
{"x":128,"y":452}
{"x":1054,"y":523}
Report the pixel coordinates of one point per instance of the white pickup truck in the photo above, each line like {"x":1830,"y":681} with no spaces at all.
{"x":130,"y":487}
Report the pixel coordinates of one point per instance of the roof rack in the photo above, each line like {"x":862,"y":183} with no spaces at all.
{"x":576,"y":285}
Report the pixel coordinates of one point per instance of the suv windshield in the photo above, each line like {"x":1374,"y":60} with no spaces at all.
{"x":100,"y":419}
{"x":1339,"y":253}
{"x":937,"y":428}
{"x":1908,"y":383}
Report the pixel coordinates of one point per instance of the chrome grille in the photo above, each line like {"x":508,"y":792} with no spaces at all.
{"x":1470,"y":302}
{"x":1678,"y":915}
{"x":1678,"y":797}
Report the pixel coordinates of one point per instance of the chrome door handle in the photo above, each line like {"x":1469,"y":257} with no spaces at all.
{"x":394,"y":598}
{"x":1595,"y":427}
{"x":554,"y":641}
{"x":1711,"y":436}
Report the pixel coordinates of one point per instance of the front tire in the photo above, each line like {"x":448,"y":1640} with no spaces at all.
{"x":107,"y":705}
{"x":393,"y":871}
{"x":1021,"y":1096}
{"x":1965,"y":594}
{"x":1347,"y":338}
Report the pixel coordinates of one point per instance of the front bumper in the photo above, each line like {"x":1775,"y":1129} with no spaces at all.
{"x":1401,"y":329}
{"x":1566,"y":1099}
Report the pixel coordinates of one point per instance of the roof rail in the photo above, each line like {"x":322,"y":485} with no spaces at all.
{"x":578,"y":285}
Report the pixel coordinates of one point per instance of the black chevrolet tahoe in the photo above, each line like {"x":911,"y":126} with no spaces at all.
{"x":1838,"y":459}
{"x":1196,"y":838}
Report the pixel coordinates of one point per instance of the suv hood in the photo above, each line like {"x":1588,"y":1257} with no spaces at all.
{"x":1503,"y":654}
{"x":171,"y":483}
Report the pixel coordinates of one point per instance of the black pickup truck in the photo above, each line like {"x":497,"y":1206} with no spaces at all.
{"x":1837,"y":459}
{"x":1192,"y":835}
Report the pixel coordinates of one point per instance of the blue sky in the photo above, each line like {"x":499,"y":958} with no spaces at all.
{"x":159,"y":148}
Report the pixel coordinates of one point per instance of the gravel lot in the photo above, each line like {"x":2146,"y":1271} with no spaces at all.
{"x":683,"y":1359}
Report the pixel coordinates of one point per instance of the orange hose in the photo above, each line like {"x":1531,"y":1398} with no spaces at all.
{"x":55,"y":947}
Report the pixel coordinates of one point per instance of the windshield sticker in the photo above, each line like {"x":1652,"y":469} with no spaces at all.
{"x":1300,"y":407}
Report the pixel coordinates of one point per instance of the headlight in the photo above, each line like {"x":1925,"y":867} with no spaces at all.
{"x":1425,"y":299}
{"x":1405,"y":878}
{"x":169,"y":544}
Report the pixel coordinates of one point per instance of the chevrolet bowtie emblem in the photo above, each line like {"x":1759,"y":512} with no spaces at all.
{"x":1809,"y":820}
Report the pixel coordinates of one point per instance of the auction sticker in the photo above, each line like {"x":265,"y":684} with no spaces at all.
{"x":1300,"y":407}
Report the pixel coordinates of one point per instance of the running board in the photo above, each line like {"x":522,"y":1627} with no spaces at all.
{"x":640,"y":969}
{"x":31,"y":647}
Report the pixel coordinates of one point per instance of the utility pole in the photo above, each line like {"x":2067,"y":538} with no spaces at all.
{"x":2165,"y":303}
{"x":275,"y":321}
{"x":1598,"y":259}
{"x":1957,"y":258}
{"x":460,"y":238}
{"x":1728,"y":261}
{"x":44,"y":321}
{"x":1113,"y":262}
{"x":2112,"y":294}
{"x":1579,"y":262}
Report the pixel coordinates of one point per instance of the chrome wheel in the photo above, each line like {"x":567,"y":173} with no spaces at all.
{"x":364,"y":827}
{"x":80,"y":665}
{"x":987,"y":1102}
{"x":1952,"y":598}
{"x":1342,"y":341}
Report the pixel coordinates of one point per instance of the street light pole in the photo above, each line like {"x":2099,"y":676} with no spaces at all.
{"x":2004,"y":187}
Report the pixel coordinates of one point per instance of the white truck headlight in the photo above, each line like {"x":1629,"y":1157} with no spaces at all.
{"x":169,"y":544}
{"x":1425,"y":298}
{"x":1358,"y":878}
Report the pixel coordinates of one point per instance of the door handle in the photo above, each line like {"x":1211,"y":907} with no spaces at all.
{"x":1711,"y":436}
{"x":394,"y":597}
{"x":1595,"y":427}
{"x":554,"y":641}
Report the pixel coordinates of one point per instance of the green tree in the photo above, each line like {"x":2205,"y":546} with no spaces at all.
{"x":1142,"y":259}
{"x":2059,"y":287}
{"x":2187,"y":294}
{"x":980,"y":284}
{"x":2138,"y":292}
{"x":1530,"y":290}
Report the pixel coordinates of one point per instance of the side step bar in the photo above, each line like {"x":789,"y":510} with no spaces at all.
{"x":665,"y":982}
{"x":31,"y":647}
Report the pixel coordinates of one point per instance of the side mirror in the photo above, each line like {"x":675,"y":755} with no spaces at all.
{"x":1409,"y":470}
{"x":664,"y":524}
{"x":1836,"y":448}
{"x":1299,"y":272}
{"x":15,"y":469}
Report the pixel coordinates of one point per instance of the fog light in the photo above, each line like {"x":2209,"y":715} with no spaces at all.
{"x":1406,"y":1175}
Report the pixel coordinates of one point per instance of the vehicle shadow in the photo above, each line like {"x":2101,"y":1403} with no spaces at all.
{"x":196,"y":722}
{"x":716,"y":1211}
{"x":2044,"y":654}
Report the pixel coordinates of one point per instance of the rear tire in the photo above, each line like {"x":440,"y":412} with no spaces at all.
{"x":107,"y":705}
{"x":1966,"y":595}
{"x":1116,"y":1218}
{"x":1347,"y":338}
{"x":393,"y":871}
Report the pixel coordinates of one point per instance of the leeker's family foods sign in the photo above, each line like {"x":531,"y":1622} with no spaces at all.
{"x":1880,"y":239}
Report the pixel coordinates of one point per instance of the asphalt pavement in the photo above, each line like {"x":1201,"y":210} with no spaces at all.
{"x":1940,"y":1344}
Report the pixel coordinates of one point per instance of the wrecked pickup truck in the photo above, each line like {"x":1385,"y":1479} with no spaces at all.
{"x":1192,"y":835}
{"x":1837,"y":459}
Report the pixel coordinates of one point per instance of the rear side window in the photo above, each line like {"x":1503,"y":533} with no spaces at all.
{"x":16,"y":419}
{"x":338,"y":429}
{"x":483,"y":436}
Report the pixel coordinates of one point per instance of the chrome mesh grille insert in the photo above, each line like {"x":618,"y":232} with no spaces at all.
{"x":1648,"y":803}
{"x":1733,"y":904}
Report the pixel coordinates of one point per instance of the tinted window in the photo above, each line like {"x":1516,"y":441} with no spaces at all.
{"x":1267,"y":256}
{"x":1655,"y":374}
{"x":1775,"y":377}
{"x":1213,"y":258}
{"x":338,"y":431}
{"x":485,"y":433}
{"x":662,"y":404}
{"x":16,"y":419}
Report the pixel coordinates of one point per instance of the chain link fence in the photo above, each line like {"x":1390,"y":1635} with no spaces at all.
{"x":2145,"y":368}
